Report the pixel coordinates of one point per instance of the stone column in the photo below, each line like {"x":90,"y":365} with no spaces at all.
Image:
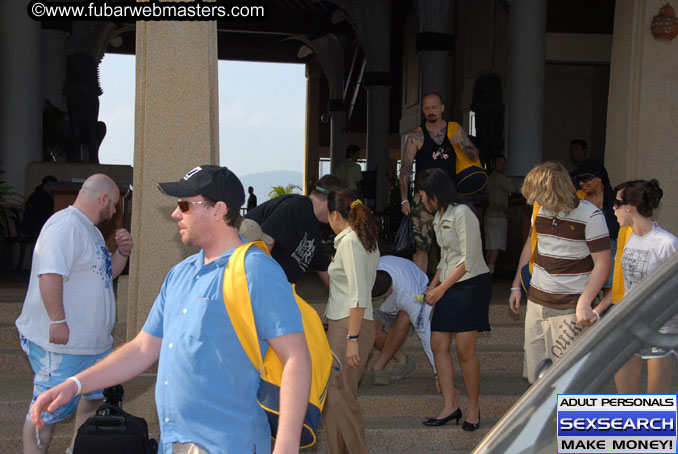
{"x":337,"y":112}
{"x":312,"y":143}
{"x":176,"y":129}
{"x":377,"y":133}
{"x":20,"y":92}
{"x":643,"y":105}
{"x":54,"y":67}
{"x":434,"y":44}
{"x":527,"y":31}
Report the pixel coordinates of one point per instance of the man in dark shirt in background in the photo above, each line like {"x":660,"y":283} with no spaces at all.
{"x":293,"y":221}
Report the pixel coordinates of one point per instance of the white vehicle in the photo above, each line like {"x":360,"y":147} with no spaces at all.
{"x":530,"y":425}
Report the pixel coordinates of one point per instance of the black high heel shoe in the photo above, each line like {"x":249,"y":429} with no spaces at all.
{"x":433,"y":422}
{"x":471,"y":426}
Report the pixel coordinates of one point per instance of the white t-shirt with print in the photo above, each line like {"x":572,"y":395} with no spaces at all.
{"x":642,"y":254}
{"x":72,"y":246}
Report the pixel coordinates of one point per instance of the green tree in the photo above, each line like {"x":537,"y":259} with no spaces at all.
{"x":277,"y":191}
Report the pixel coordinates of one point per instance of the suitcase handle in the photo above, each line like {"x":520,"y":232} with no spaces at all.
{"x":107,"y":421}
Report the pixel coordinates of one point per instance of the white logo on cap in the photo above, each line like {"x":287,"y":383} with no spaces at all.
{"x":192,"y":172}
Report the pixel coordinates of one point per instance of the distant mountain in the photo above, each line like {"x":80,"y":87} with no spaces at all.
{"x":262,"y":182}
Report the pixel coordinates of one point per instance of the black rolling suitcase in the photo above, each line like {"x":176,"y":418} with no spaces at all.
{"x":114,"y":431}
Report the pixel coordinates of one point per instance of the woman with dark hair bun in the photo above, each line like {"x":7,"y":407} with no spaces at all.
{"x":460,"y":294}
{"x":349,"y":312}
{"x":646,"y":248}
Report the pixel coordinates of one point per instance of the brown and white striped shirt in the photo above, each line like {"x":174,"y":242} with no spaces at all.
{"x":563,"y":261}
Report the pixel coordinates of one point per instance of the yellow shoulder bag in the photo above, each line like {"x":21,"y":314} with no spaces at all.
{"x":239,"y":308}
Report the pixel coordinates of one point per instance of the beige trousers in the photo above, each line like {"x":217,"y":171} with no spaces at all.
{"x":343,"y":422}
{"x":187,"y":448}
{"x":549,"y":333}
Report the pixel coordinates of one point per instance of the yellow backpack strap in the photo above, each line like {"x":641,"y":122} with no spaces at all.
{"x":618,"y":289}
{"x":239,"y":305}
{"x":533,"y":235}
{"x":452,"y":127}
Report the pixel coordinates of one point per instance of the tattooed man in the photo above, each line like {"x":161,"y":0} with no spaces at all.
{"x":430,"y":147}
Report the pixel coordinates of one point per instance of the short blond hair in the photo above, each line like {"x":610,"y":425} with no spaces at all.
{"x":549,"y":184}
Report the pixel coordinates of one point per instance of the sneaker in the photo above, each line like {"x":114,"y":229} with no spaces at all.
{"x":380,"y":377}
{"x":399,"y":371}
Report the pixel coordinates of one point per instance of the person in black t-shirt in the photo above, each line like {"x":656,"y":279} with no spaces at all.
{"x":293,"y":223}
{"x":429,"y":145}
{"x":251,"y":200}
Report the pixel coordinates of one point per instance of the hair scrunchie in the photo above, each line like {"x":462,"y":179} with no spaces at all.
{"x":355,"y":203}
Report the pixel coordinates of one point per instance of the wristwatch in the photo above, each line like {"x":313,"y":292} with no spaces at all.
{"x":349,"y":337}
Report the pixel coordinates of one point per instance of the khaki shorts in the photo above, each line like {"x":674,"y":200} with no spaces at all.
{"x":549,"y":334}
{"x":187,"y":448}
{"x":422,"y":222}
{"x":496,"y":228}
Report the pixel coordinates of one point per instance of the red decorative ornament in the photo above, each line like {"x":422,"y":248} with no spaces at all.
{"x":665,"y":25}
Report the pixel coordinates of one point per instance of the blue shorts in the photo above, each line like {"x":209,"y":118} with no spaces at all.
{"x":52,"y":369}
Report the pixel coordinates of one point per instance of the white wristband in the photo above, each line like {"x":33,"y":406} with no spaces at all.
{"x":597,"y":314}
{"x":57,"y":322}
{"x":404,"y":202}
{"x":515,"y":288}
{"x":77,"y":382}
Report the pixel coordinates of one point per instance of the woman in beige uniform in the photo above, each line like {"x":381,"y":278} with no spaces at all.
{"x":349,"y":312}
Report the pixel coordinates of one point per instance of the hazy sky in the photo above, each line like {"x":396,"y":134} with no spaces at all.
{"x":261,"y":114}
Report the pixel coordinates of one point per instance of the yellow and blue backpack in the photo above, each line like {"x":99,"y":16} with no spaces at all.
{"x":239,"y":308}
{"x":471,"y":177}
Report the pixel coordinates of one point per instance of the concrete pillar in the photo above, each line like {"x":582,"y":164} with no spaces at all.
{"x":434,"y":44}
{"x":312,"y":142}
{"x":527,"y":31}
{"x":20,"y":92}
{"x":642,"y":108}
{"x":337,"y":134}
{"x":176,"y":129}
{"x":377,"y":138}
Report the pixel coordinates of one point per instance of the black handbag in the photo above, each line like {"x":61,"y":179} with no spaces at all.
{"x":403,"y":243}
{"x":112,"y":431}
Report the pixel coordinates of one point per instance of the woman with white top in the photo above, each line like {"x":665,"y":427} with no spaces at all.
{"x":459,"y":292}
{"x":648,"y":247}
{"x":349,"y":313}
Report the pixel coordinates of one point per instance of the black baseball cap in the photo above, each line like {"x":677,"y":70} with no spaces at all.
{"x":214,"y":182}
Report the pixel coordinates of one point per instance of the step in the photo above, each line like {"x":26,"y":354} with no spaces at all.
{"x":498,"y":313}
{"x":10,"y":311}
{"x":11,"y":441}
{"x":411,"y":396}
{"x":384,"y":436}
{"x":13,"y":360}
{"x":12,"y":293}
{"x":16,"y":392}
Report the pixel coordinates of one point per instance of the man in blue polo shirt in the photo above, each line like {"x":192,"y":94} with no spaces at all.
{"x":206,"y":385}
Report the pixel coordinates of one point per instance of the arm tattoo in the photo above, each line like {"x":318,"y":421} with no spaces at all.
{"x":405,"y":176}
{"x":470,"y":150}
{"x":415,"y":138}
{"x":414,"y":141}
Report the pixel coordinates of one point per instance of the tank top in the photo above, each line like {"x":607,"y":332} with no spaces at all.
{"x":431,"y":155}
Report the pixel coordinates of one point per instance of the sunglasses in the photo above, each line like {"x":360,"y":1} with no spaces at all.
{"x":185,"y":206}
{"x":618,"y":203}
{"x":585,"y":178}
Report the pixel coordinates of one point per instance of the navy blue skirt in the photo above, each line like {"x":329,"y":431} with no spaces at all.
{"x":464,"y":307}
